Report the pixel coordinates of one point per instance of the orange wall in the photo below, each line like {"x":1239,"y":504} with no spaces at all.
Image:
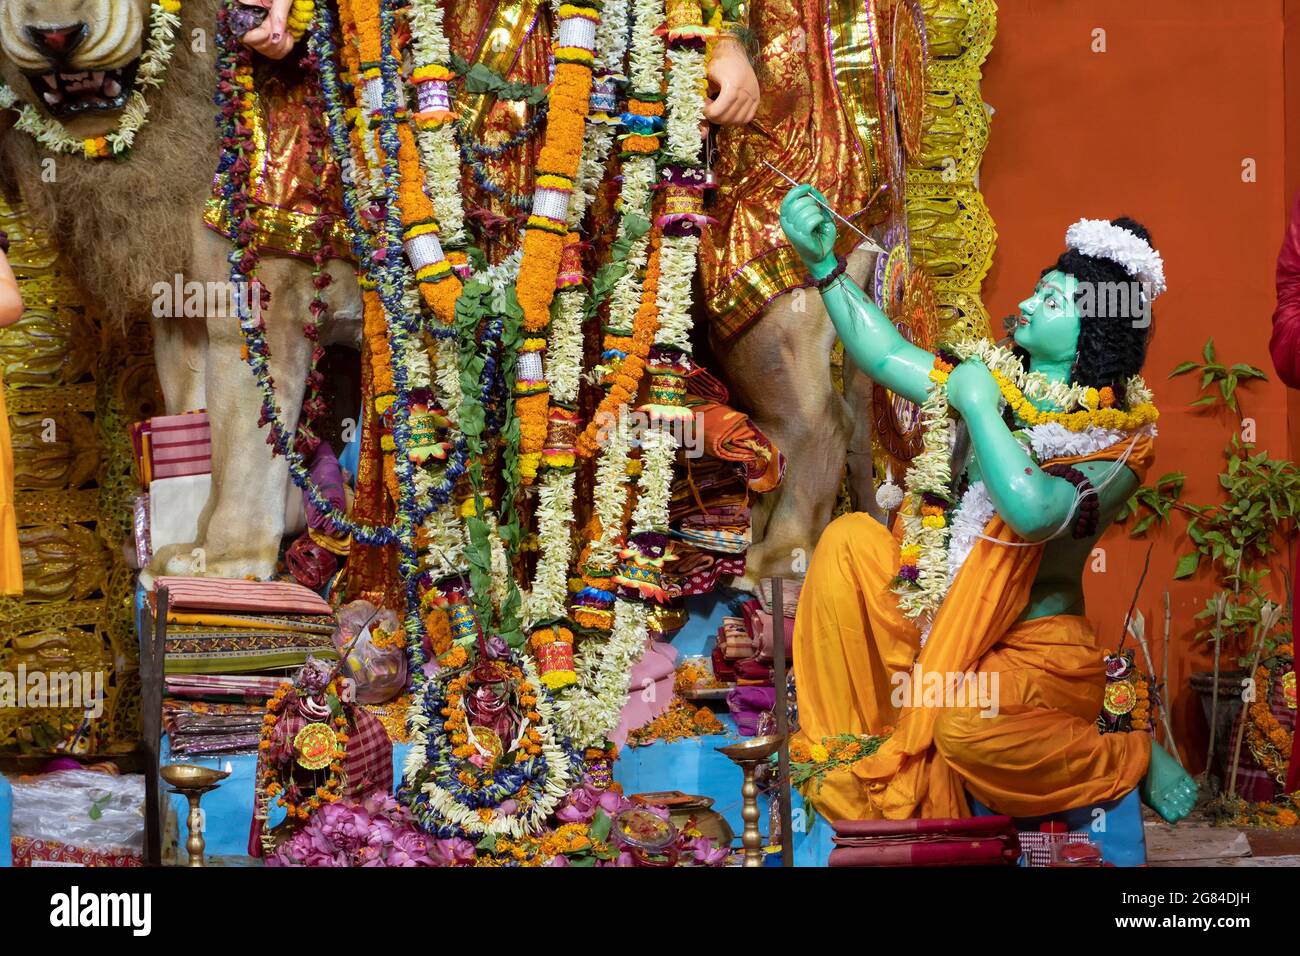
{"x":1157,"y":128}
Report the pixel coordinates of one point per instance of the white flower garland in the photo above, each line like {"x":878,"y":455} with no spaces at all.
{"x":935,"y":544}
{"x":564,"y":349}
{"x":646,"y":71}
{"x":544,"y":804}
{"x":164,"y":21}
{"x":593,"y":707}
{"x":437,"y":146}
{"x":1102,"y":239}
{"x":677,"y":260}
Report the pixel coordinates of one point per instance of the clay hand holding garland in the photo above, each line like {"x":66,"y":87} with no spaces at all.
{"x":736,"y":100}
{"x":1034,"y":504}
{"x":272,"y":38}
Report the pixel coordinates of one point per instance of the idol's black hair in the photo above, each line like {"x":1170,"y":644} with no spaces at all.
{"x":1114,"y":321}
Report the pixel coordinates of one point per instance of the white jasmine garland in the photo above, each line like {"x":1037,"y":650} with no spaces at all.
{"x":658,"y":452}
{"x":677,"y":260}
{"x":437,"y":147}
{"x":646,"y":63}
{"x":594,"y":706}
{"x":634,"y":197}
{"x":1102,"y":239}
{"x":686,"y":85}
{"x":52,"y":135}
{"x":939,"y":545}
{"x":555,"y":517}
{"x":610,"y":497}
{"x":564,"y":351}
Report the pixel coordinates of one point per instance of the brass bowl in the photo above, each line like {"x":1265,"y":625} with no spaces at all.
{"x":188,"y":776}
{"x":753,"y":749}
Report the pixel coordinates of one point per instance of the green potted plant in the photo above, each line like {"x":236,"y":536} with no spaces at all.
{"x":1237,"y":539}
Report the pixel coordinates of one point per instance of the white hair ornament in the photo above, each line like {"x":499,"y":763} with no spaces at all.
{"x":1102,"y":239}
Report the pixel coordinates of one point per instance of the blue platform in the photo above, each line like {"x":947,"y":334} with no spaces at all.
{"x":692,"y":765}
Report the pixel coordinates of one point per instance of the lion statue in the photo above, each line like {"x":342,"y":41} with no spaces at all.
{"x":125,"y":226}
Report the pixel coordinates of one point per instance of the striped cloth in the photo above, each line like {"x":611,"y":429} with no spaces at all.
{"x":232,"y":594}
{"x":180,"y":445}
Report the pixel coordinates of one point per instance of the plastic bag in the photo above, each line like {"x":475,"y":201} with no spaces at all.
{"x":376,"y":661}
{"x":97,"y":814}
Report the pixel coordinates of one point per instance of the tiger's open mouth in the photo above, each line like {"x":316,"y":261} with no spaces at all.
{"x":92,"y":91}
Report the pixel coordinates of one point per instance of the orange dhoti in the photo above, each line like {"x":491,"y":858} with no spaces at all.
{"x":1030,"y":747}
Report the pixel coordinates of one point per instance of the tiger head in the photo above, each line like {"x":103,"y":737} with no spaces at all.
{"x":75,"y":60}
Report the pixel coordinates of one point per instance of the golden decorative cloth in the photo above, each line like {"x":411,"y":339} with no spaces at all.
{"x":280,"y":179}
{"x":819,"y":104}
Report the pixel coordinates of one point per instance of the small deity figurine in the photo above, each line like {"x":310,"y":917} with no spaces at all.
{"x":961,"y":638}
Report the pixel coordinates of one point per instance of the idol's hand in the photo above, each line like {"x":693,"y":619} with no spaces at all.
{"x":809,"y":227}
{"x":971,"y":386}
{"x":730,"y":71}
{"x":271,"y":39}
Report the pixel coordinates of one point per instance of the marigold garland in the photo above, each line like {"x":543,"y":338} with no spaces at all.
{"x":1270,"y":743}
{"x":930,"y":508}
{"x":623,"y":377}
{"x":270,"y":781}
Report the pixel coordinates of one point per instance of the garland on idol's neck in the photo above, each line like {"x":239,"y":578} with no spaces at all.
{"x":930,"y":510}
{"x":164,"y":21}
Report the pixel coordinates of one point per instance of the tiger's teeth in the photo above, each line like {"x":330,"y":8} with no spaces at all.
{"x":98,"y":77}
{"x":112,"y":88}
{"x":51,"y":81}
{"x":53,"y":98}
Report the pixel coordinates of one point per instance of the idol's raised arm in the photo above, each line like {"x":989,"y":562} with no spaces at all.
{"x":870,"y":339}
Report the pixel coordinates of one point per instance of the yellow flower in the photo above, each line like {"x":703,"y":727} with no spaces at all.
{"x":818,"y":753}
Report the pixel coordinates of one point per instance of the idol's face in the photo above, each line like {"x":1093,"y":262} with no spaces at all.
{"x":1048,"y":327}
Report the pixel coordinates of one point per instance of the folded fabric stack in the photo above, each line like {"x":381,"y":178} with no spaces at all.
{"x":744,"y":654}
{"x":728,"y":462}
{"x":969,"y":841}
{"x":173,"y":462}
{"x":203,"y":727}
{"x":229,"y":644}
